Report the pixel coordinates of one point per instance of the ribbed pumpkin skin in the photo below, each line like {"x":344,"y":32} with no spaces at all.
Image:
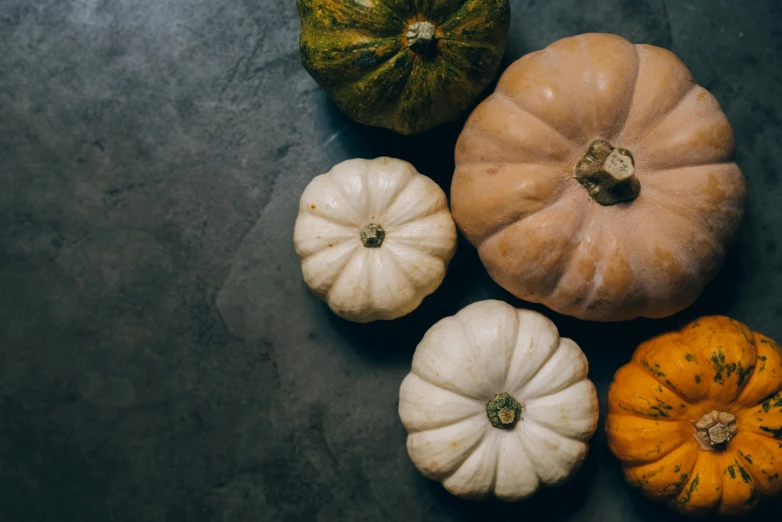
{"x":655,"y":401}
{"x":357,"y":51}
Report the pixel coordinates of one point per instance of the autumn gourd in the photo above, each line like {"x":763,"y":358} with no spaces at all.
{"x":497,"y":404}
{"x":696,"y":418}
{"x":375,"y":238}
{"x":407,"y":65}
{"x":599,"y":180}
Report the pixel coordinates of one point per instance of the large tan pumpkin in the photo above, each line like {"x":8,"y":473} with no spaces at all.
{"x":598,"y":180}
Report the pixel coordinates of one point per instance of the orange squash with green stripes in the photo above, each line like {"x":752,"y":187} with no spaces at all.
{"x":407,"y":65}
{"x":696,"y":418}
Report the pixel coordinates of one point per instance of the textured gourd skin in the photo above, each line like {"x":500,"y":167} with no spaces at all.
{"x":357,"y":50}
{"x":713,"y":364}
{"x":539,"y":232}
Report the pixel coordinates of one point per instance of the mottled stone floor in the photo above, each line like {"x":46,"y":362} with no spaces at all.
{"x":160,"y":357}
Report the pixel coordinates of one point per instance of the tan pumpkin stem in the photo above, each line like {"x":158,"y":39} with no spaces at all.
{"x":420,"y":36}
{"x":372,"y":236}
{"x":608,"y":173}
{"x":714,"y":430}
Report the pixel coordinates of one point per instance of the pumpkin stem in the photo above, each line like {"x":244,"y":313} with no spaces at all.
{"x":608,"y":173}
{"x":420,"y":36}
{"x":714,"y":430}
{"x":372,"y":235}
{"x":504,"y":411}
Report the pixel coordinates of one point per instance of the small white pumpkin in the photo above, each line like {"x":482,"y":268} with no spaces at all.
{"x":497,"y":403}
{"x":375,"y":238}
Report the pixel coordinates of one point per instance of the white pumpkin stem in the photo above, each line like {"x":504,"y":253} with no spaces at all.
{"x":420,"y":36}
{"x":714,"y":430}
{"x":372,"y":236}
{"x":504,"y":411}
{"x":608,"y":173}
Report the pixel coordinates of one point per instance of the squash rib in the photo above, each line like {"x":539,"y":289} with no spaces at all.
{"x":319,"y":280}
{"x":391,"y":10}
{"x":474,"y":45}
{"x":452,"y":389}
{"x":626,"y":116}
{"x":384,"y":103}
{"x":662,"y":383}
{"x":399,"y":224}
{"x":601,"y":269}
{"x":656,"y":453}
{"x":398,"y":93}
{"x":679,"y":167}
{"x":502,"y":131}
{"x":512,"y":352}
{"x":399,"y":191}
{"x":571,"y":368}
{"x":439,"y":248}
{"x":466,"y":455}
{"x":681,"y":502}
{"x":452,"y":66}
{"x":342,"y":273}
{"x":334,"y":57}
{"x":637,"y":475}
{"x":456,"y":19}
{"x":335,"y":234}
{"x":346,"y":197}
{"x":746,"y":468}
{"x":571,"y":253}
{"x":551,"y":461}
{"x":630,"y":413}
{"x":433,"y":450}
{"x":412,"y":431}
{"x":742,"y":471}
{"x":501,"y":95}
{"x":761,"y":436}
{"x":442,"y":387}
{"x":424,"y":406}
{"x":502,"y":226}
{"x":653,"y":126}
{"x":395,"y":257}
{"x":566,"y":412}
{"x":600,"y":115}
{"x":681,"y":211}
{"x":468,"y":335}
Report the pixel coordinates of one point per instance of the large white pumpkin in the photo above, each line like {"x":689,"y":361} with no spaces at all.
{"x":497,"y":404}
{"x":375,"y":238}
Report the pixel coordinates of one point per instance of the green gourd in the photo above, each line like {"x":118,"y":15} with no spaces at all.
{"x":406,"y":65}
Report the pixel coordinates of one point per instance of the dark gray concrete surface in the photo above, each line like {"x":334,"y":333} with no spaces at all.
{"x":160,"y":356}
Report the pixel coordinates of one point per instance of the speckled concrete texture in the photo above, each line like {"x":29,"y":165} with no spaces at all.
{"x":161,"y":358}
